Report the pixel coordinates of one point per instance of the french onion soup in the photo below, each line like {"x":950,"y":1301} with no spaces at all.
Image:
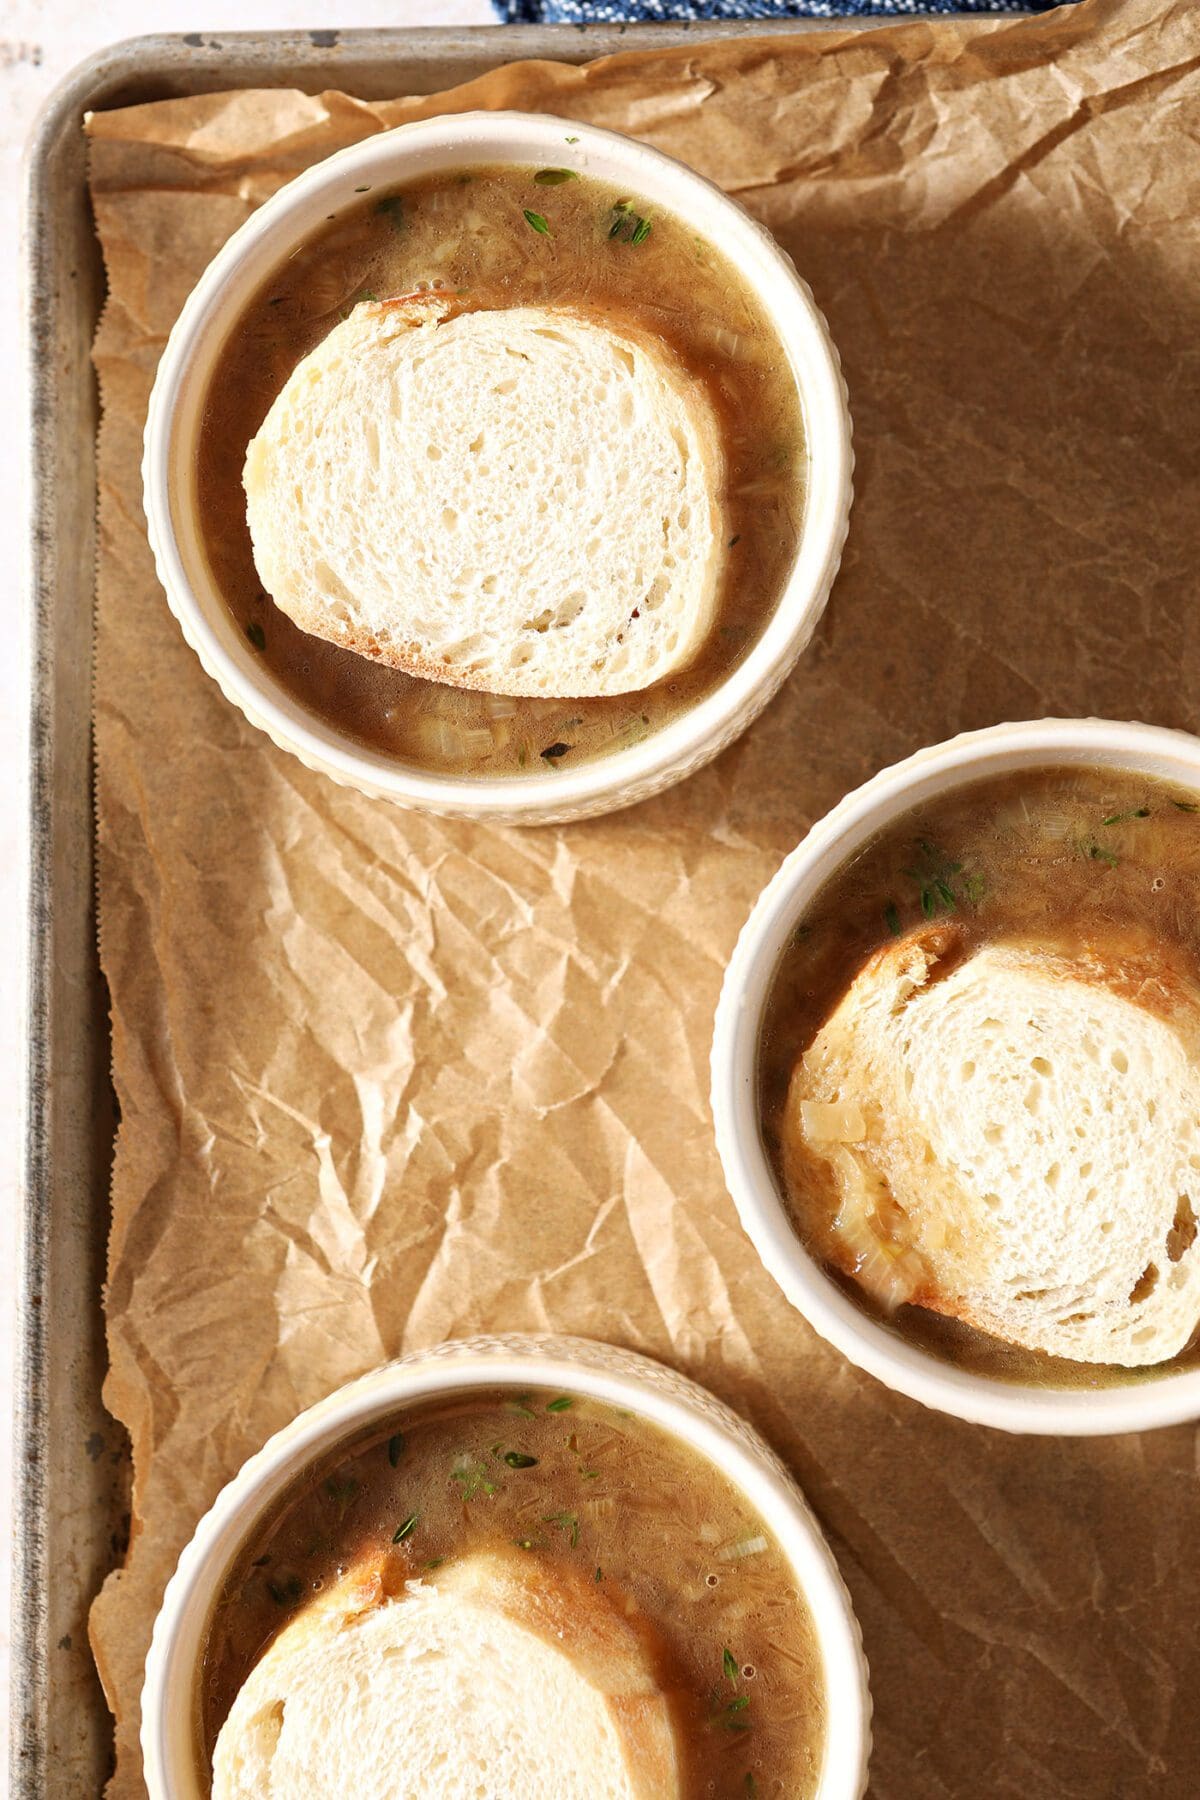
{"x":979,"y":1075}
{"x":642,"y":332}
{"x":539,"y":1559}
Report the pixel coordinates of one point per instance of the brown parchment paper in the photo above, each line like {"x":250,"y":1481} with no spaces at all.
{"x":386,"y":1079}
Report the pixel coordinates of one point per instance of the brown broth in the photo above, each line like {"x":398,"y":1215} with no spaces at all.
{"x":467,"y":233}
{"x":610,"y":1497}
{"x":1061,"y":856}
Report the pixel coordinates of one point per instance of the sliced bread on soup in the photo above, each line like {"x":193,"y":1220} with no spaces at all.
{"x":1010,"y":1135}
{"x":522,"y":500}
{"x":495,"y":1677}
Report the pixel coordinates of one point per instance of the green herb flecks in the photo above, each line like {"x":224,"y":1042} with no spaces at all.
{"x":563,"y":1404}
{"x":256,"y":634}
{"x":1139,"y":812}
{"x":363,"y":190}
{"x":626,"y":226}
{"x":517,"y":1459}
{"x":523,"y":1404}
{"x":572,"y":140}
{"x":435,"y":1562}
{"x":391,"y":208}
{"x":537,"y":223}
{"x":554,"y":178}
{"x":567,"y":1523}
{"x":599,"y":1575}
{"x":730,"y":1665}
{"x":735,"y":539}
{"x":405,"y":1528}
{"x":286,"y":1593}
{"x":1100,"y":853}
{"x":935,"y":874}
{"x":1186,"y":805}
{"x":892,"y":915}
{"x":341,"y":1488}
{"x":751,"y":1787}
{"x":395,"y":1447}
{"x":472,"y":1479}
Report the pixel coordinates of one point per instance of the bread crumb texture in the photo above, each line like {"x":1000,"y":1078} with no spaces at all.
{"x":496,"y":1679}
{"x":1011,"y":1137}
{"x":524,"y":501}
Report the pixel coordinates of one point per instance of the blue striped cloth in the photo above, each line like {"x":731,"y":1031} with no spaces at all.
{"x":650,"y":12}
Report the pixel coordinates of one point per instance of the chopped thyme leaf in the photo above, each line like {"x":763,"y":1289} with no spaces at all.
{"x":1098,"y":853}
{"x":256,"y":634}
{"x":1186,"y":805}
{"x":568,"y":1524}
{"x":562,"y":1404}
{"x":277,"y":301}
{"x":751,"y":1787}
{"x":974,"y":888}
{"x":366,"y":295}
{"x":285,"y":1593}
{"x":572,"y":140}
{"x":517,"y":1459}
{"x":735,"y":539}
{"x":946,"y":896}
{"x":405,"y":1528}
{"x":472,"y":1479}
{"x":554,"y":178}
{"x":392,"y":209}
{"x":589,"y":1474}
{"x":729,"y":1663}
{"x":552,"y":752}
{"x":536,"y":223}
{"x":341,"y":1487}
{"x":627,"y":226}
{"x":599,"y":1576}
{"x":435,"y":1562}
{"x":522,"y":1405}
{"x":1139,"y":812}
{"x":738,"y":1705}
{"x":892,"y":916}
{"x":928,"y":903}
{"x":363,"y":190}
{"x":395,"y":1447}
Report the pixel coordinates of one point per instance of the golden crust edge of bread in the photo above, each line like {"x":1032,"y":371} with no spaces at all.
{"x":1148,"y":973}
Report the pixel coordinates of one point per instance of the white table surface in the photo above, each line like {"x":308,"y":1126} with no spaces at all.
{"x":40,"y":42}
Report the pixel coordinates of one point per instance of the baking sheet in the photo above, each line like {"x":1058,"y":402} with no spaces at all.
{"x":1023,"y":1637}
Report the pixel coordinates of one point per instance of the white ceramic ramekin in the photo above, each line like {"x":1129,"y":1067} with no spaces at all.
{"x":1166,"y":1399}
{"x":577,"y":1365}
{"x":268,"y":237}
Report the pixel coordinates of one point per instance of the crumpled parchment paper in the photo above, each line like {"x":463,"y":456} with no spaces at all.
{"x":386,"y":1079}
